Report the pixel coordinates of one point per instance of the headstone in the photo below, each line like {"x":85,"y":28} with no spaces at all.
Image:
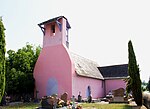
{"x":45,"y":103}
{"x":50,"y":100}
{"x":55,"y":100}
{"x":119,"y":92}
{"x":118,"y":95}
{"x":64,"y":97}
{"x":146,"y":99}
{"x":90,"y":99}
{"x":79,"y":97}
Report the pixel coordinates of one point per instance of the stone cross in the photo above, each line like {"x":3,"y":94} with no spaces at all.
{"x":73,"y":102}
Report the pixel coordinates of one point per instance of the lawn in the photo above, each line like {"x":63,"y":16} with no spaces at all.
{"x":22,"y":106}
{"x":84,"y":105}
{"x":105,"y":106}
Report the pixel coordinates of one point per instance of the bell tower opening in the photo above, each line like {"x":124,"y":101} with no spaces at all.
{"x":53,"y":30}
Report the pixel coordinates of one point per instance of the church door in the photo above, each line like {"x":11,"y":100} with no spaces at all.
{"x":52,"y":87}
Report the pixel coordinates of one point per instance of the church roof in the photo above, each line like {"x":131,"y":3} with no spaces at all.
{"x":114,"y":71}
{"x":86,"y":67}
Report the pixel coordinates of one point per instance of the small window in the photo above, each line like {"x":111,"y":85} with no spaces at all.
{"x":53,"y":28}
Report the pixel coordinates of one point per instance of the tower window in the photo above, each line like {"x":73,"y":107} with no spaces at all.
{"x":53,"y":28}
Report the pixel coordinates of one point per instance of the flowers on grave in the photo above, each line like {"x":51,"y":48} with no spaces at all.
{"x":79,"y":107}
{"x":56,"y":102}
{"x":69,"y":102}
{"x":60,"y":103}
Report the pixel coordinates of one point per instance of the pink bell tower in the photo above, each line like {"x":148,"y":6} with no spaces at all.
{"x":54,"y":67}
{"x":55,"y":31}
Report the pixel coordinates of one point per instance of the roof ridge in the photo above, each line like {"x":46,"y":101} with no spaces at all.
{"x":114,"y":65}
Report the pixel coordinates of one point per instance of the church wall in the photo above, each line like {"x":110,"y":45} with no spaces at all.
{"x":80,"y":84}
{"x":114,"y":84}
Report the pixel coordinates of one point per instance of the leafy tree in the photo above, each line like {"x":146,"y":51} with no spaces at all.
{"x":2,"y":59}
{"x":148,"y":85}
{"x":20,"y":66}
{"x":134,"y":82}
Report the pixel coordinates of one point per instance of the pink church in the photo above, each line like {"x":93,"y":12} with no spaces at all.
{"x":57,"y":70}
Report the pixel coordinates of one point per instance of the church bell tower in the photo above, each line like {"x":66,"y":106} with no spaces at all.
{"x":55,"y":31}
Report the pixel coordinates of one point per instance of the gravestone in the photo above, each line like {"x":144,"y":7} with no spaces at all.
{"x":50,"y":100}
{"x":64,"y":97}
{"x":119,"y":92}
{"x":54,"y":100}
{"x":45,"y":103}
{"x":146,"y":99}
{"x":79,"y":97}
{"x":118,"y":95}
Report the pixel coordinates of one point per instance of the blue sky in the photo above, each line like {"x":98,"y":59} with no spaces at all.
{"x":100,"y":29}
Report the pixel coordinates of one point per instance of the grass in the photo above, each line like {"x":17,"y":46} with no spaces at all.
{"x":84,"y":105}
{"x":22,"y":106}
{"x":105,"y":106}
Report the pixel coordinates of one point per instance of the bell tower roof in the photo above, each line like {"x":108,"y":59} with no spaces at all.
{"x":55,"y":20}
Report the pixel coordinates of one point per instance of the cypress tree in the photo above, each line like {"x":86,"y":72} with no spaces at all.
{"x":2,"y":59}
{"x":134,"y":81}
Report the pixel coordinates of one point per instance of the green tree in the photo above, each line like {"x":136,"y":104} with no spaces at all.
{"x":134,"y":81}
{"x":148,"y":85}
{"x":2,"y":59}
{"x":20,"y":66}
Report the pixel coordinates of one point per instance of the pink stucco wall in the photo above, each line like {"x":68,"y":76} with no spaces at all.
{"x":53,"y":67}
{"x":80,"y":84}
{"x":114,"y":84}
